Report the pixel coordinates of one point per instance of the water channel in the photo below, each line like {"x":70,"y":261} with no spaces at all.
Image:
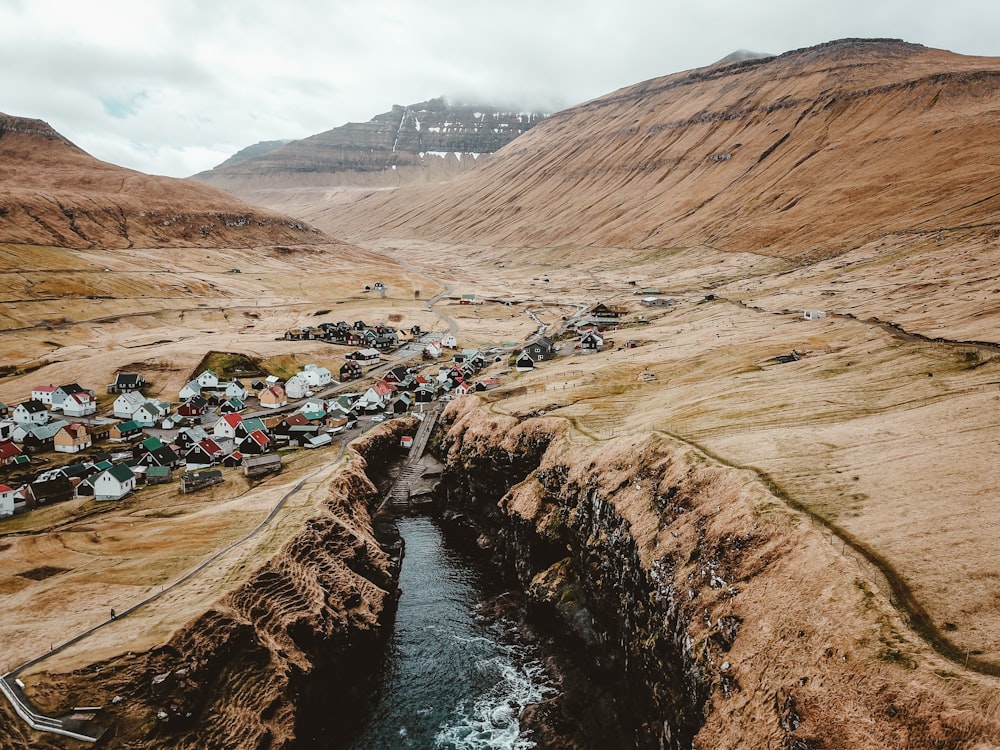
{"x":452,"y":679}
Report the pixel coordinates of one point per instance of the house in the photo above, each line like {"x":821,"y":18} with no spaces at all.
{"x":273,"y":397}
{"x":126,"y":404}
{"x":316,"y":377}
{"x":204,"y":454}
{"x":226,"y":426}
{"x":605,"y":315}
{"x":79,"y":404}
{"x":199,"y":480}
{"x":194,"y":407}
{"x":232,"y":405}
{"x":261,"y":465}
{"x":813,"y":314}
{"x":6,"y":501}
{"x":366,"y":356}
{"x":658,"y":302}
{"x":151,"y":412}
{"x":401,"y":404}
{"x":540,"y":349}
{"x":786,"y":358}
{"x":72,"y":438}
{"x":43,"y":492}
{"x":473,"y":357}
{"x":60,"y":394}
{"x":231,"y":389}
{"x":425,"y":394}
{"x":126,"y":382}
{"x":255,"y":443}
{"x":249,"y":425}
{"x":351,"y":370}
{"x":208,"y":379}
{"x":32,"y":411}
{"x":467,"y":299}
{"x":376,"y":397}
{"x":296,"y":387}
{"x":190,"y":390}
{"x":158,"y":474}
{"x":318,"y":441}
{"x":591,"y":342}
{"x":524,"y":362}
{"x":284,"y":426}
{"x":188,"y":436}
{"x":154,"y":452}
{"x":113,"y":483}
{"x":312,"y":406}
{"x":432,"y":350}
{"x":124,"y":430}
{"x":396,"y":374}
{"x":41,"y":437}
{"x":462,"y":388}
{"x":448,"y":341}
{"x":43,"y":393}
{"x":8,"y":453}
{"x":233,"y":459}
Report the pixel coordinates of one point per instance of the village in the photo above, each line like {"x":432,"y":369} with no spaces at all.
{"x":56,"y":446}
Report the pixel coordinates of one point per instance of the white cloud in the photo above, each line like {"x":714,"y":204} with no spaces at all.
{"x":174,"y":88}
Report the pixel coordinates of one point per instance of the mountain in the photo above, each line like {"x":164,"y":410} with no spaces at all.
{"x":803,"y":156}
{"x":54,"y":193}
{"x":428,"y":141}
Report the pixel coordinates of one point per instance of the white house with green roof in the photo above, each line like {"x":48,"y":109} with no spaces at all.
{"x":114,"y":483}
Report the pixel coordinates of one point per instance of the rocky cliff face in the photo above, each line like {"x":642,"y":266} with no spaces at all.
{"x":286,"y":657}
{"x":53,"y":193}
{"x":721,"y":618}
{"x":430,"y":140}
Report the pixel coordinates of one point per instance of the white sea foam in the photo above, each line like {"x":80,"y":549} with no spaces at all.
{"x":491,"y":720}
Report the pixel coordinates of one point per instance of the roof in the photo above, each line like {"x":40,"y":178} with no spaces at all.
{"x":158,"y":471}
{"x":43,"y":389}
{"x":129,"y":426}
{"x":121,"y":472}
{"x":32,"y":405}
{"x":233,"y":419}
{"x":5,"y":489}
{"x":258,"y":437}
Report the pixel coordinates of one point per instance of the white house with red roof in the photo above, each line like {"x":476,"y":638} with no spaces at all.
{"x":79,"y":404}
{"x":376,"y":397}
{"x":43,"y":393}
{"x":6,"y":501}
{"x":226,"y":426}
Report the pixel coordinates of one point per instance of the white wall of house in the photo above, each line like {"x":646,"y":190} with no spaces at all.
{"x":79,"y":405}
{"x":296,"y":387}
{"x":208,"y":379}
{"x":107,"y":487}
{"x":23,"y":416}
{"x":126,"y":404}
{"x":316,"y":376}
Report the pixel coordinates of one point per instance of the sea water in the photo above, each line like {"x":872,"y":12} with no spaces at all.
{"x":452,"y":679}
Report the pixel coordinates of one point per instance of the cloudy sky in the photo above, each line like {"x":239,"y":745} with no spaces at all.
{"x":176,"y":86}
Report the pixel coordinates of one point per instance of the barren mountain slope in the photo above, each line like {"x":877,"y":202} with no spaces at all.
{"x":803,"y":155}
{"x":53,"y":193}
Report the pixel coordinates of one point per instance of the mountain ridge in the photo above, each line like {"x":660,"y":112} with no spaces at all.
{"x":414,"y":143}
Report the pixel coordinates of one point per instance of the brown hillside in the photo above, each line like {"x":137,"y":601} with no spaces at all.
{"x":53,"y":193}
{"x":804,"y":156}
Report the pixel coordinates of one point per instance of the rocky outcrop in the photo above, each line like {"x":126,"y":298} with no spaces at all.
{"x":428,"y":141}
{"x":720,"y":617}
{"x":286,"y":657}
